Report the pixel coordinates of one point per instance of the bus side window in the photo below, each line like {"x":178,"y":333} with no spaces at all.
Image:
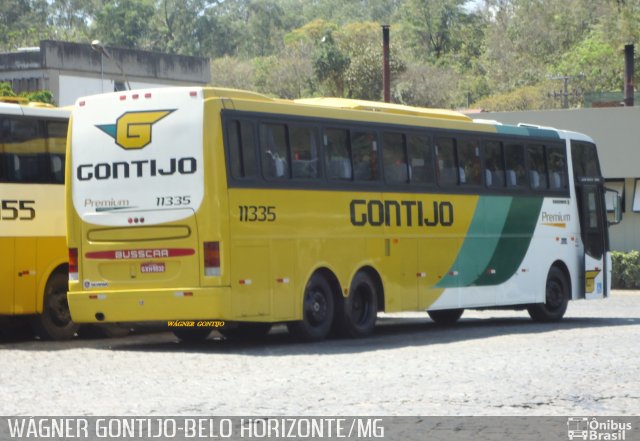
{"x":557,"y":165}
{"x":448,"y":173}
{"x":56,"y":138}
{"x":242,"y":149}
{"x":469,"y":162}
{"x":337,"y":160}
{"x":394,"y":158}
{"x":494,"y":176}
{"x":364,"y":150}
{"x":274,"y":151}
{"x":304,"y":150}
{"x":514,"y":162}
{"x":537,"y":167}
{"x":421,"y":167}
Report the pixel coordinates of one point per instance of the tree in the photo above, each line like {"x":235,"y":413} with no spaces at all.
{"x":362,"y":42}
{"x":288,"y":75}
{"x":330,"y":64}
{"x":426,"y":85}
{"x":124,"y":23}
{"x":431,"y":28}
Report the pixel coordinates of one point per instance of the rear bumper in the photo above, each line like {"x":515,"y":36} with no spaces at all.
{"x":150,"y":305}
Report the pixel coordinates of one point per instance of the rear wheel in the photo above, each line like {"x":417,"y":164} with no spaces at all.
{"x":357,"y":313}
{"x":317,"y":311}
{"x":55,"y":321}
{"x":556,"y":299}
{"x":446,"y":316}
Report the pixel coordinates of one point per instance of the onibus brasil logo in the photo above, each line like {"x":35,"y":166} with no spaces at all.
{"x":132,"y":130}
{"x":593,"y":429}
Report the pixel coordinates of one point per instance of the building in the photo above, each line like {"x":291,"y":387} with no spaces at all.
{"x":617,"y":135}
{"x":71,"y":70}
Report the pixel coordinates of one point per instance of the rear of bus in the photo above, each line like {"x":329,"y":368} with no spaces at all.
{"x":140,"y":245}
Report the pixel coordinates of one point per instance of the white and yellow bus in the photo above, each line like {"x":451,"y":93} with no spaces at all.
{"x":33,"y":260}
{"x":198,"y":205}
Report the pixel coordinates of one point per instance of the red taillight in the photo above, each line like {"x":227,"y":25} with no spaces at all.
{"x":211,"y":258}
{"x":73,"y":264}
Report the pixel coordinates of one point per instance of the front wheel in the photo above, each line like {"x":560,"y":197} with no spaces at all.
{"x":556,"y":298}
{"x":55,"y":321}
{"x":317,"y":311}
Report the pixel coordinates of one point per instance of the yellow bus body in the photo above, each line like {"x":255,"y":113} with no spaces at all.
{"x":134,"y":266}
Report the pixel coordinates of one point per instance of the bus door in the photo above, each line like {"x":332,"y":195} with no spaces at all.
{"x":595,"y":240}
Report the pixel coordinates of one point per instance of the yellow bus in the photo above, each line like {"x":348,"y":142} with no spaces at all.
{"x":203,"y":205}
{"x":33,"y":262}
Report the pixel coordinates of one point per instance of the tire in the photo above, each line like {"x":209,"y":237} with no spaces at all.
{"x":246,"y":331}
{"x":556,"y":298}
{"x":317,"y":311}
{"x":445,"y":316}
{"x":192,"y":335}
{"x":55,"y":321}
{"x":357,"y":314}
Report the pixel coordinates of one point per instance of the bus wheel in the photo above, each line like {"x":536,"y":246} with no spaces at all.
{"x":357,"y":313}
{"x":317,"y":311}
{"x":446,"y":316}
{"x":557,"y":298}
{"x":192,"y":335}
{"x":55,"y":321}
{"x":246,"y":331}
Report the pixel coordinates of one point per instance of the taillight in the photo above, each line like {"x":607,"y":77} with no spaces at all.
{"x":211,"y":258}
{"x":73,"y":264}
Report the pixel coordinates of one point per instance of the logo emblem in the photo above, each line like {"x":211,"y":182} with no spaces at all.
{"x":132,"y":130}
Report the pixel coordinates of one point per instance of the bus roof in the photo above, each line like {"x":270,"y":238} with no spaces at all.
{"x":345,"y":103}
{"x":34,"y":109}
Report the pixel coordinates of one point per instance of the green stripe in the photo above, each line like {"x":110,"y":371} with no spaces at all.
{"x":527,"y":131}
{"x":480,"y":243}
{"x":514,"y":243}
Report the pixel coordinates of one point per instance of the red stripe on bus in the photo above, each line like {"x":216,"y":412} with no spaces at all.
{"x":144,"y":253}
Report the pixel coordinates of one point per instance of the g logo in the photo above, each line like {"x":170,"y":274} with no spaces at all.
{"x":132,"y":130}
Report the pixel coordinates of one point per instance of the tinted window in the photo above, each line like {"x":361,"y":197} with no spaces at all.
{"x":421,"y":165}
{"x":27,"y":155}
{"x":557,"y":166}
{"x":304,"y":153}
{"x":585,"y":160}
{"x":338,"y":161}
{"x":469,"y":162}
{"x":515,"y":172}
{"x":364,"y":150}
{"x":537,"y":167}
{"x":395,"y":160}
{"x":273,"y":151}
{"x":494,"y":176}
{"x":446,"y":156}
{"x":242,"y":149}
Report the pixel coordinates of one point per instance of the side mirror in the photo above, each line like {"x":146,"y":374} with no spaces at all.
{"x":614,"y":203}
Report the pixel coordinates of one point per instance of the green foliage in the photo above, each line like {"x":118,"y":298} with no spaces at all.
{"x":523,"y":98}
{"x":6,"y":89}
{"x":330,"y":64}
{"x":39,"y":96}
{"x":496,"y":54}
{"x":625,"y":270}
{"x":123,"y":23}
